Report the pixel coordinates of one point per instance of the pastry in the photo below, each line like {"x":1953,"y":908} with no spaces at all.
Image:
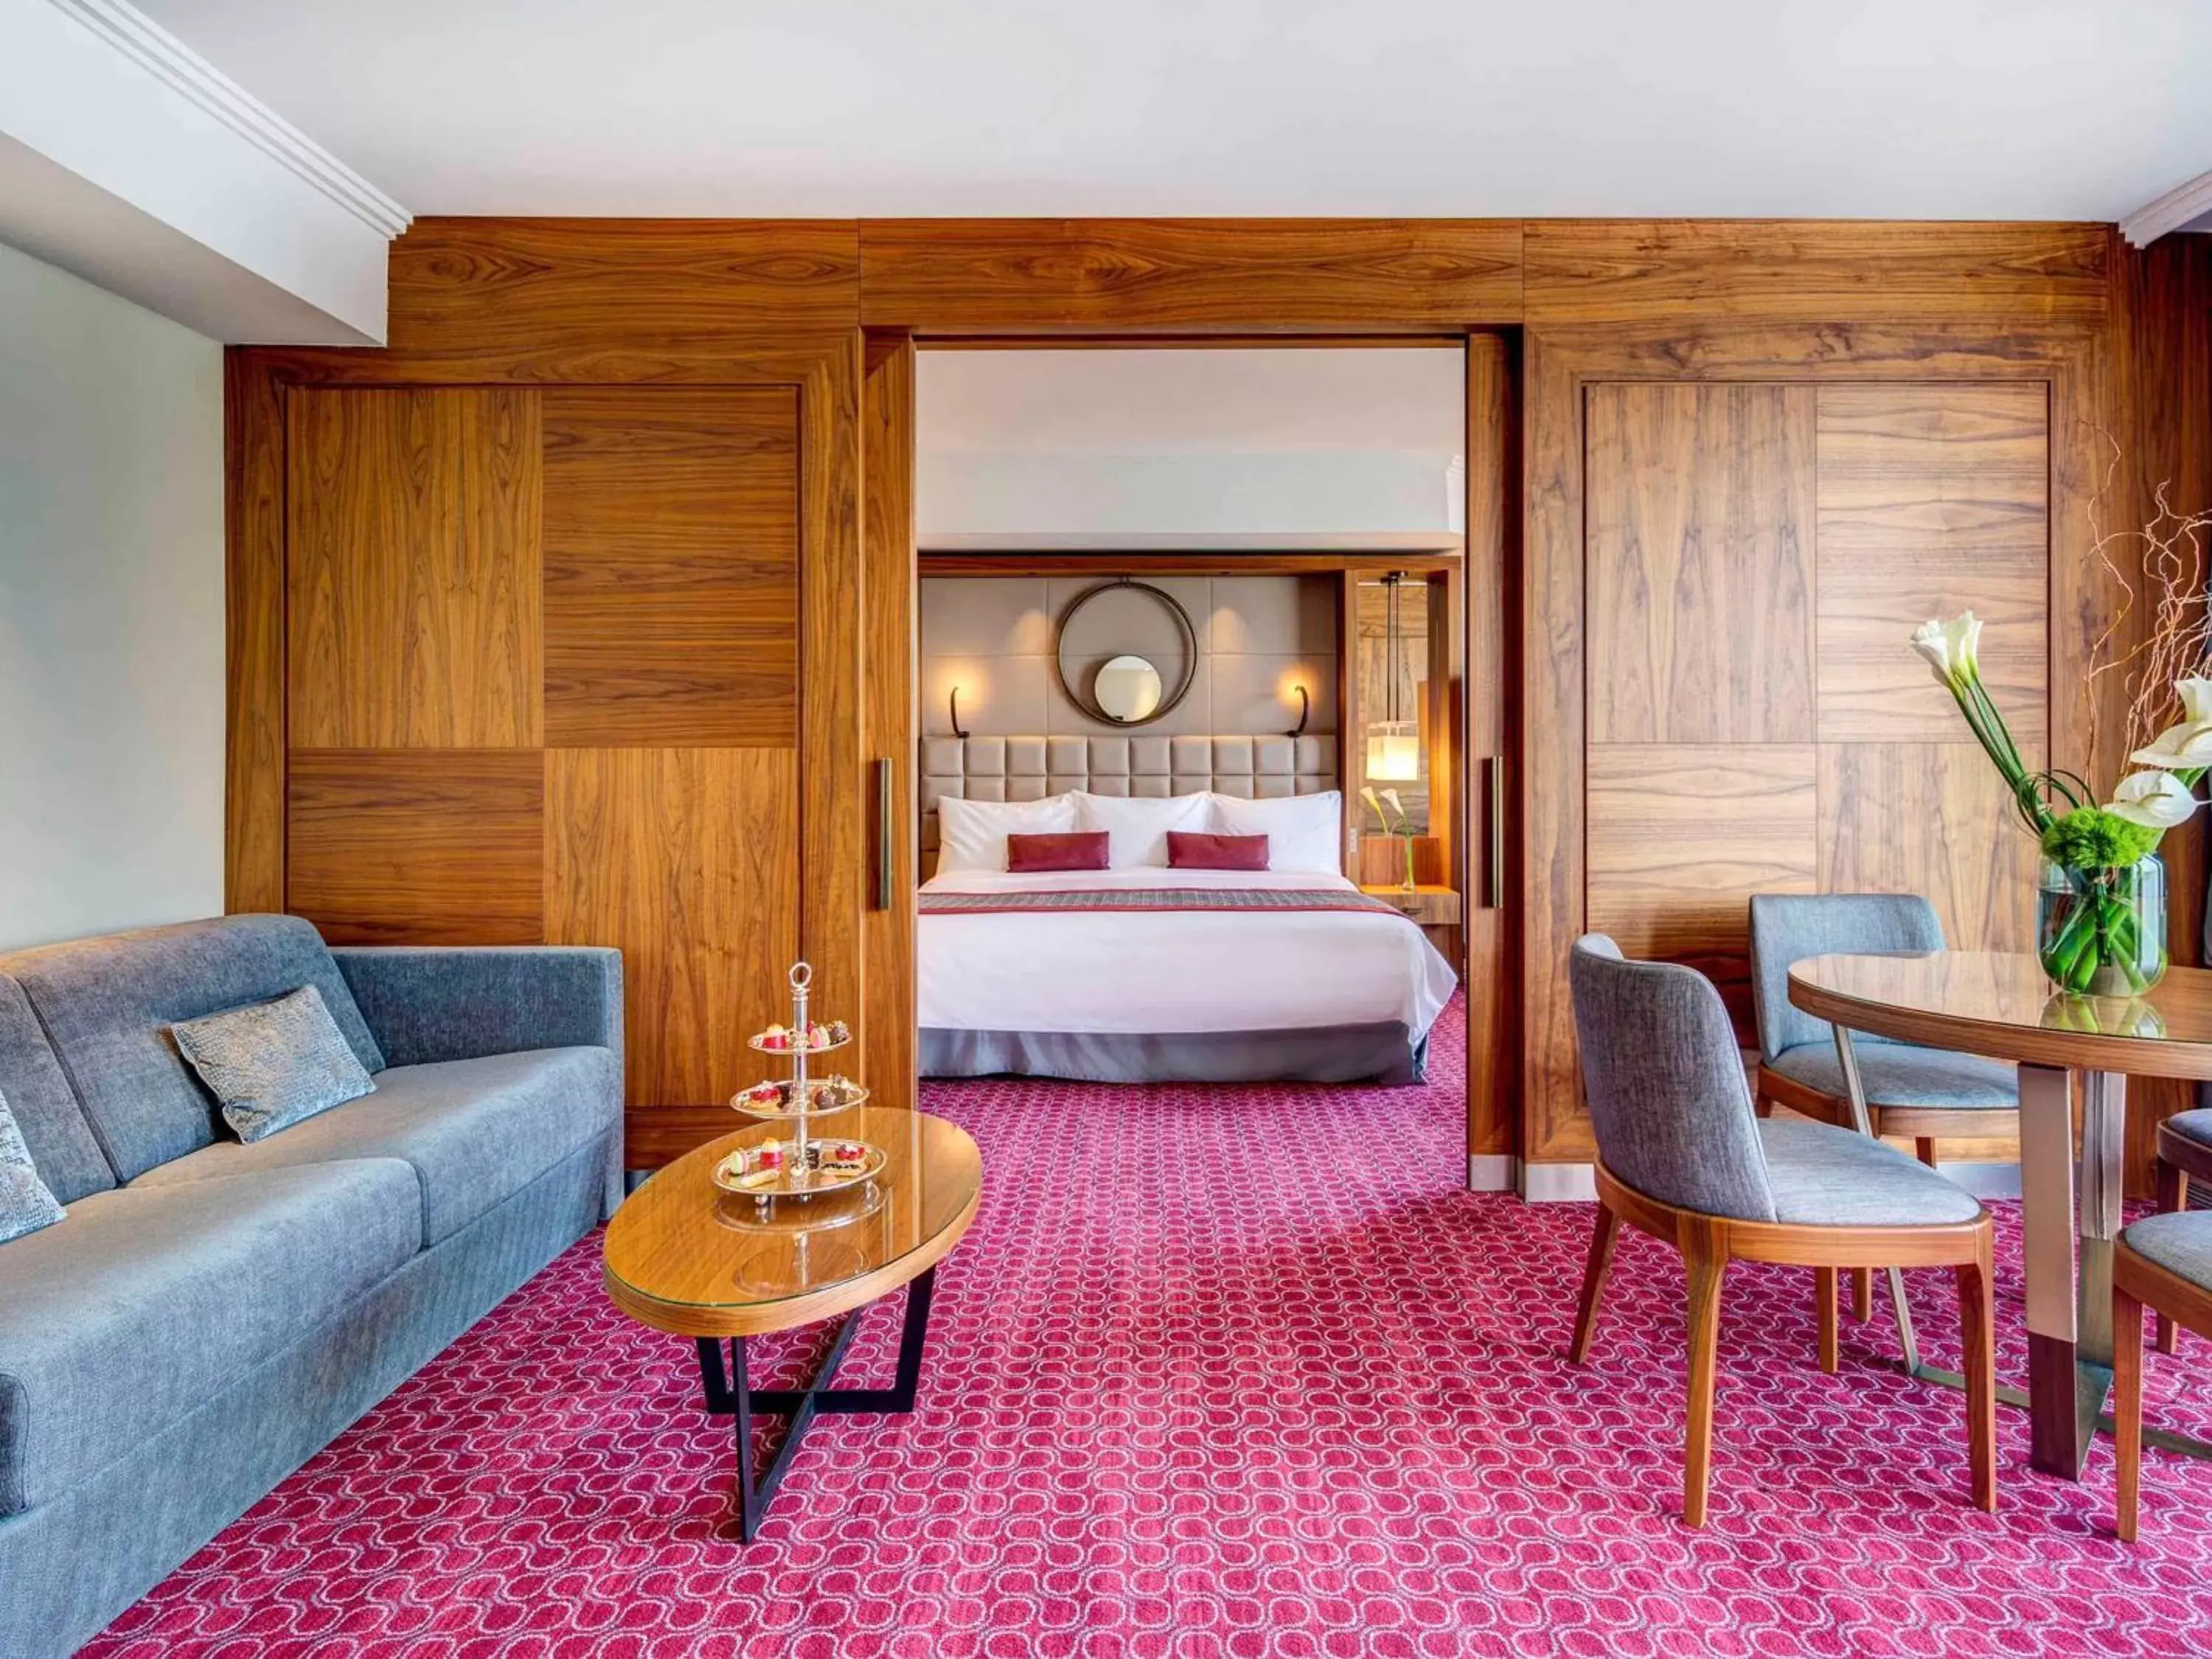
{"x":769,"y":1155}
{"x":840,"y":1032}
{"x":775,"y":1037}
{"x":817,"y":1036}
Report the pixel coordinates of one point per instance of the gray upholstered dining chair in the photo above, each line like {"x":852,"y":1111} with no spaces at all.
{"x":2185,"y":1154}
{"x":1683,"y":1157}
{"x":1919,"y":1093}
{"x":2163,"y":1262}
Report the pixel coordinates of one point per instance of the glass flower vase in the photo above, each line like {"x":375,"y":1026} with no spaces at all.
{"x":2101,"y":933}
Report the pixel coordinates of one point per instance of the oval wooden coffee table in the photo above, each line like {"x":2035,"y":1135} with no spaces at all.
{"x":1999,"y":1004}
{"x":685,"y":1257}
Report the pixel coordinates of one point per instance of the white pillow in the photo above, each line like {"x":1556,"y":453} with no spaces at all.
{"x":972,"y":835}
{"x":1137,"y":826}
{"x":1304,"y":832}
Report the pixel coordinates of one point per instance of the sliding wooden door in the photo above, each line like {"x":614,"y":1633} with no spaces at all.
{"x":1757,"y":555}
{"x":548,"y":628}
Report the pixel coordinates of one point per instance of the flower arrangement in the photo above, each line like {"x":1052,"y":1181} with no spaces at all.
{"x":1403,"y":829}
{"x":2102,"y":898}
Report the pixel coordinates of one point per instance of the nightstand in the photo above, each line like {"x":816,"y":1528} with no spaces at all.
{"x":1437,"y":910}
{"x":1433,"y":907}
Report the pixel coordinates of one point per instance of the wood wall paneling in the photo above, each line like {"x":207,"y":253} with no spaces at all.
{"x":1682,"y":834}
{"x":671,"y":566}
{"x":615,"y":300}
{"x":253,"y":593}
{"x":417,"y":846}
{"x":1700,"y":563}
{"x":1488,"y":705}
{"x":2156,"y":431}
{"x":1934,"y":819}
{"x":1932,"y":499}
{"x":1043,"y":275}
{"x":1661,"y":273}
{"x":888,"y":648}
{"x":688,"y":860}
{"x":413,"y":580}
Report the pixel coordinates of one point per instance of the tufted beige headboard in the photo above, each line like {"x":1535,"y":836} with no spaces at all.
{"x":1030,"y":768}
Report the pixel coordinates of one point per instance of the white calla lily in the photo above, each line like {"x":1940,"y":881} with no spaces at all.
{"x":2196,"y":696}
{"x":2155,"y":799}
{"x":1951,"y":649}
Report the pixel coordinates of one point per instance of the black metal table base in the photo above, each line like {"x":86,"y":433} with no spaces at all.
{"x":731,"y":1393}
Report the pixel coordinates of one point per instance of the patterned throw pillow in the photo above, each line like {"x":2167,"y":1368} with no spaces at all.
{"x":273,"y":1063}
{"x":26,"y":1205}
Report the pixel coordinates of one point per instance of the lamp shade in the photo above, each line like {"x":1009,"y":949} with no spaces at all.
{"x":1394,"y":752}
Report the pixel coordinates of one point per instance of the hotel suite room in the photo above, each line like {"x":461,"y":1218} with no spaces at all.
{"x":779,"y":883}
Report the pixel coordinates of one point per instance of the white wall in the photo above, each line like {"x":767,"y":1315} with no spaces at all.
{"x":1113,"y":445}
{"x":110,"y":611}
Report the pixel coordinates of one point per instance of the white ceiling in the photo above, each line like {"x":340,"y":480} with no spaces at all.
{"x":1993,"y":109}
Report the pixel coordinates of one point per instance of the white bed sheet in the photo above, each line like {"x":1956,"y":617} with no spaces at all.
{"x":1167,"y":971}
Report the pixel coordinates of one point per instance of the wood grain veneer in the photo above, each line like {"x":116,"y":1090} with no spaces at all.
{"x":253,"y":615}
{"x":668,"y":1250}
{"x":627,"y":291}
{"x":1565,"y":364}
{"x":1660,"y":272}
{"x":1932,"y":499}
{"x":671,"y":566}
{"x":1489,"y":707}
{"x":1934,"y":819}
{"x":1682,"y":834}
{"x":413,"y":577}
{"x":1699,"y":503}
{"x":417,"y":846}
{"x":889,"y":645}
{"x":1040,"y":276}
{"x":688,"y":862}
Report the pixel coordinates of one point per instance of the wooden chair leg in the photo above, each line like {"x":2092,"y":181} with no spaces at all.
{"x":2127,"y":1407}
{"x":1862,"y":1292}
{"x":1824,"y":1309}
{"x":1924,"y":1148}
{"x":1594,"y":1277}
{"x":1705,"y":1268}
{"x":1978,"y":1348}
{"x":2173,"y":1195}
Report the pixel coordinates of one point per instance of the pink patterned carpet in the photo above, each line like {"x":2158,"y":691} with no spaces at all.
{"x":1231,"y":1372}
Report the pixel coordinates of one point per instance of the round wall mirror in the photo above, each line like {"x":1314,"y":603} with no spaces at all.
{"x":1125,"y":652}
{"x":1127,"y":689}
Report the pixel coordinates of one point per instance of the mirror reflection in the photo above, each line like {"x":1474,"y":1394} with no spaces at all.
{"x":1127,"y":688}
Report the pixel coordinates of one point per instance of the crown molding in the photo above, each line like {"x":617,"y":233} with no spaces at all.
{"x":2182,"y":205}
{"x":153,"y":48}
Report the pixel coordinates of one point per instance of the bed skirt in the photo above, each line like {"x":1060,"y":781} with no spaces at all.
{"x":1383,"y":1053}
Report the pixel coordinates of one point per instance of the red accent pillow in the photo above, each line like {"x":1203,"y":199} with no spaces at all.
{"x":1082,"y":849}
{"x":1190,"y":849}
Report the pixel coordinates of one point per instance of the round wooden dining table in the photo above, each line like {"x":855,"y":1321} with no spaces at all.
{"x":1999,"y":1004}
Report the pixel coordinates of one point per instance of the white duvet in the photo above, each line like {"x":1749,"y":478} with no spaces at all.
{"x":1163,"y":971}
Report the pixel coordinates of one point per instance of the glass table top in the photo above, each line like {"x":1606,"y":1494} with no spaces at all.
{"x":1999,"y":1004}
{"x":683,"y":1242}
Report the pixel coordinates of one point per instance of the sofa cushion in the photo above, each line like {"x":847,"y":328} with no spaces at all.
{"x":475,"y":1131}
{"x":26,"y":1203}
{"x":271,"y":1065}
{"x":140,"y":1305}
{"x":63,"y":1151}
{"x":107,"y":1003}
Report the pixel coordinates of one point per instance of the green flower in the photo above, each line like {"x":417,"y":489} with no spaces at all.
{"x":2090,"y":838}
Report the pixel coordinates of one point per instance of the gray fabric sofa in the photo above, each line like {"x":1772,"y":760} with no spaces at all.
{"x":208,"y":1314}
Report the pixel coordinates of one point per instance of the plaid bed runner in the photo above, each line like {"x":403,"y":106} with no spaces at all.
{"x":1156,"y":898}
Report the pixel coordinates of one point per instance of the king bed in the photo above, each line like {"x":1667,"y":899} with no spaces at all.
{"x":1142,"y":972}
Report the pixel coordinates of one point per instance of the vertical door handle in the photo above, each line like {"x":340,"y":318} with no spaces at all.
{"x":884,"y":832}
{"x":1494,"y":863}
